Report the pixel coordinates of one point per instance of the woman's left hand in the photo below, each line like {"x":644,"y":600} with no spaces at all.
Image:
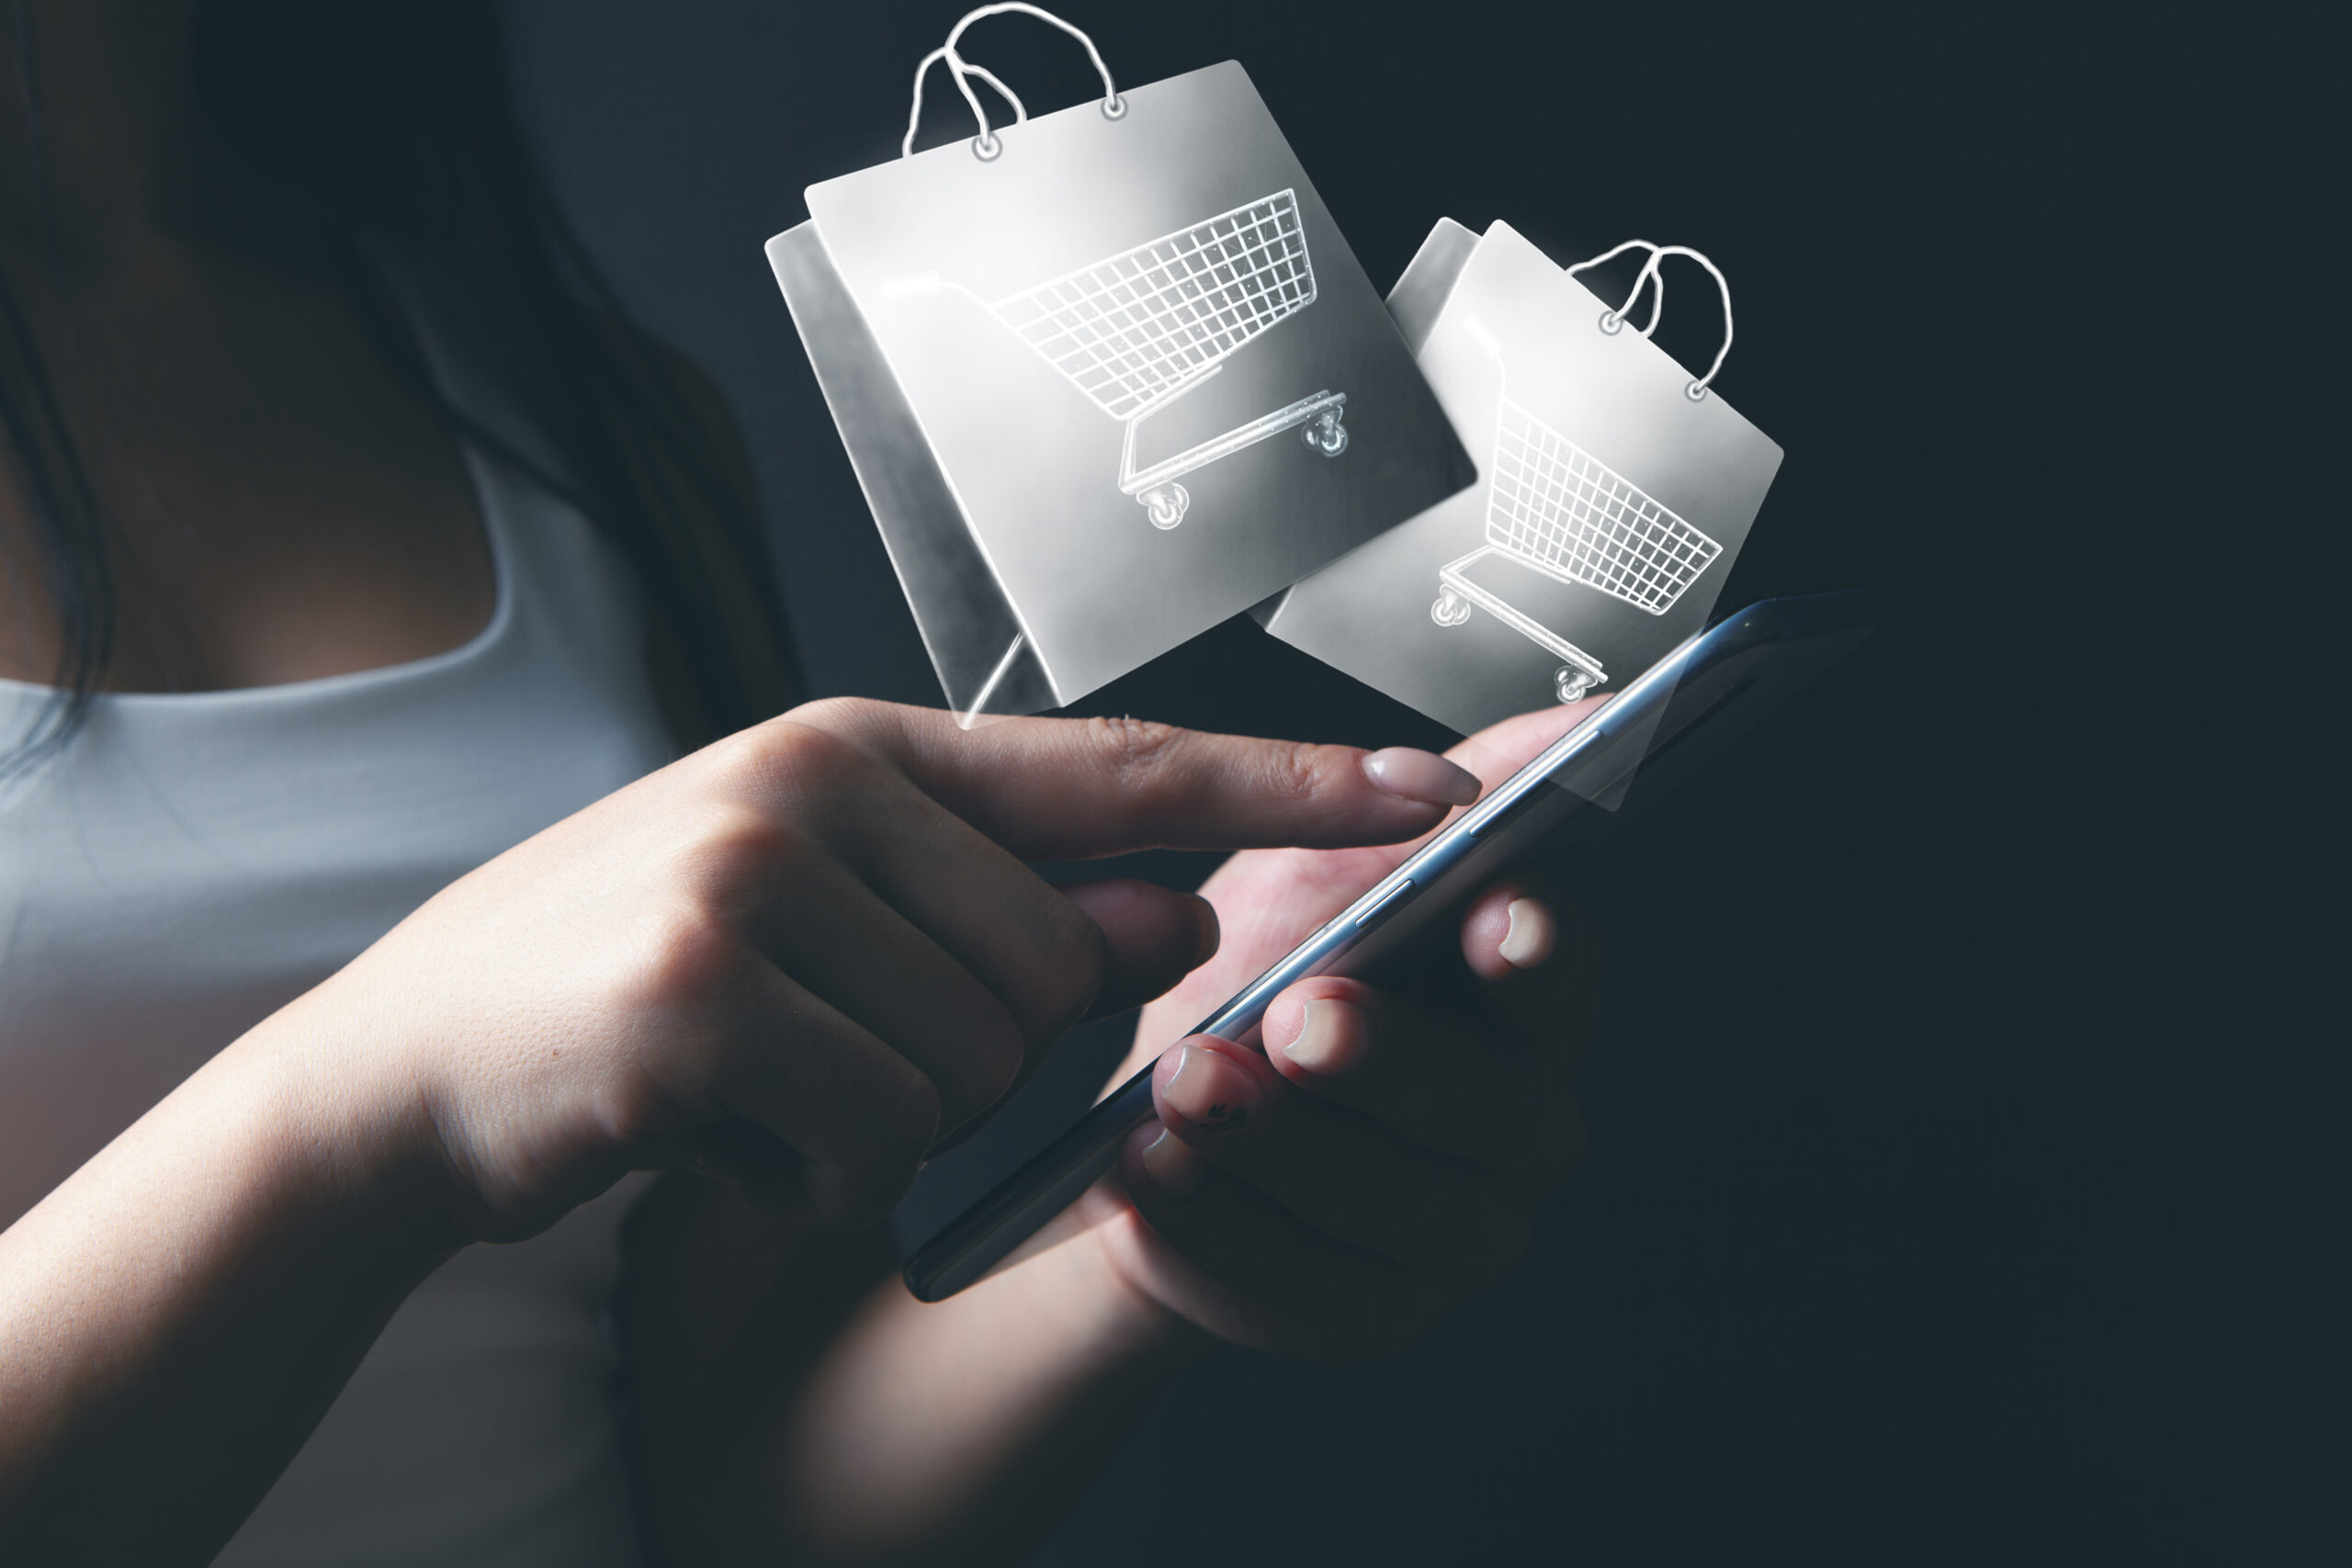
{"x":1383,"y":1157}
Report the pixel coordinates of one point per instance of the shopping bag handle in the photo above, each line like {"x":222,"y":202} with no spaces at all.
{"x":1612,"y":322}
{"x":986,"y":145}
{"x":1020,"y":110}
{"x":1611,"y":319}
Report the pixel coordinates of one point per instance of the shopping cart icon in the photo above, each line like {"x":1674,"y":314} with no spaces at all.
{"x":1553,"y":506}
{"x":1140,"y":329}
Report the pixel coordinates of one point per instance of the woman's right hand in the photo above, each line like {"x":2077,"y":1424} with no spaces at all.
{"x":799,"y":956}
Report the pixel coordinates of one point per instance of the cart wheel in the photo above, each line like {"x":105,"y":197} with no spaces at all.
{"x":1571,"y":682}
{"x":1327,"y":434}
{"x":1451,"y":609}
{"x":1165,"y":504}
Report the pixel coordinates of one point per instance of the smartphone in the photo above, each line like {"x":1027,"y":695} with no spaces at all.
{"x":1678,"y":715}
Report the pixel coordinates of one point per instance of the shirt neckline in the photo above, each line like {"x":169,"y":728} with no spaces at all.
{"x":494,"y":631}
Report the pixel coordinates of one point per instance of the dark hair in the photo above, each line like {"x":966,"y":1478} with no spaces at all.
{"x":396,"y":118}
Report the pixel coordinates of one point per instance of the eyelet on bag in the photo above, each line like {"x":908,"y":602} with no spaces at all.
{"x":1611,"y":322}
{"x":988,"y":149}
{"x":1115,"y":108}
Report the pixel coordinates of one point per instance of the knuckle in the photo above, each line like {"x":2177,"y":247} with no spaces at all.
{"x":808,"y":754}
{"x":792,"y":753}
{"x":1135,"y":751}
{"x":725,"y":857}
{"x":738,"y":762}
{"x":837,"y":716}
{"x":729,"y":847}
{"x":686,"y":956}
{"x":632,"y":1108}
{"x":1132,"y":742}
{"x":1292,"y":772}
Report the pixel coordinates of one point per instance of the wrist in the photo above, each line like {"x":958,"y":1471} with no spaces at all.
{"x":346,"y":1122}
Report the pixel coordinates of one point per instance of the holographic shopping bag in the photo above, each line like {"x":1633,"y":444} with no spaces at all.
{"x":1108,"y":376}
{"x":1614,"y":491}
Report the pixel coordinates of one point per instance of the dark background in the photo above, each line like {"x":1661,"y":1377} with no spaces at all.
{"x":1969,"y":1140}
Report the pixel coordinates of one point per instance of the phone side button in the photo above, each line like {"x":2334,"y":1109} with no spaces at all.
{"x":1508,"y":814}
{"x":1386,"y":907}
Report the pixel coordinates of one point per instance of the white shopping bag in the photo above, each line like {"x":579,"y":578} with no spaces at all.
{"x":1614,"y":491}
{"x":1108,"y":376}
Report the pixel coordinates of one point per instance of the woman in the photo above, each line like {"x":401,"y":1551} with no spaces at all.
{"x":367,"y":573}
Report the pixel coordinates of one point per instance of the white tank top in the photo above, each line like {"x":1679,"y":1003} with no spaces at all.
{"x":194,"y":862}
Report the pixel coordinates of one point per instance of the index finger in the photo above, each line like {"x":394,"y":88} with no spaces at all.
{"x":1074,"y":789}
{"x":1501,"y":750}
{"x":1490,"y":756}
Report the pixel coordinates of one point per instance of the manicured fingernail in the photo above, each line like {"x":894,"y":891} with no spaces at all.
{"x":1421,"y":775}
{"x":1209,"y":1091}
{"x":1172,"y":1166}
{"x":1529,"y":940}
{"x":1328,"y":1043}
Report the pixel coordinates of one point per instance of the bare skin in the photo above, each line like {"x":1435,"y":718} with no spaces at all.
{"x":287,"y":510}
{"x":779,"y":969}
{"x":1340,"y":1218}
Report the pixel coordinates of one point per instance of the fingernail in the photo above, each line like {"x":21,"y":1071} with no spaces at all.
{"x":1172,"y":1166}
{"x":1327,"y":1046}
{"x":1529,"y":940}
{"x":1421,"y":775}
{"x":1209,"y":1091}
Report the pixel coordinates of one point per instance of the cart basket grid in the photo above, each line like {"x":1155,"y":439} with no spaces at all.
{"x":1562,"y":510}
{"x":1131,"y":330}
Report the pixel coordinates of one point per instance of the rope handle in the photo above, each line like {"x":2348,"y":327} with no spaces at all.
{"x":1614,"y":320}
{"x":1020,"y":110}
{"x":988,"y":145}
{"x":1611,"y":319}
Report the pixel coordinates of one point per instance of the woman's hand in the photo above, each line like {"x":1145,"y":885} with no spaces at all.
{"x":1384,"y":1168}
{"x":1383,"y":1159}
{"x":797,"y":957}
